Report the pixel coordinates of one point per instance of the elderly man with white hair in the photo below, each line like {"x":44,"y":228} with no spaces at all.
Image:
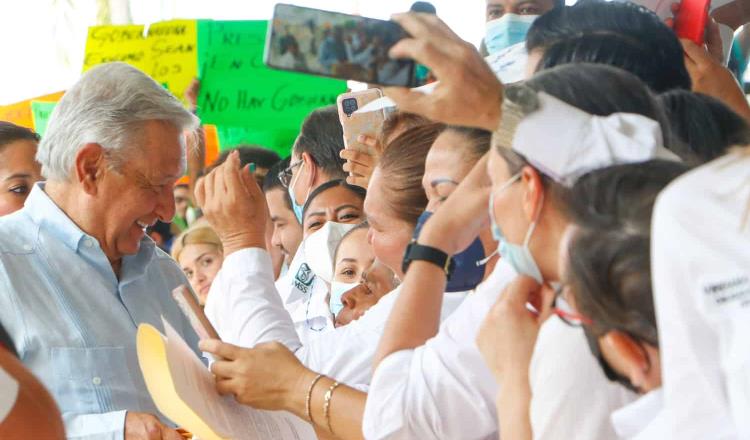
{"x":77,"y":272}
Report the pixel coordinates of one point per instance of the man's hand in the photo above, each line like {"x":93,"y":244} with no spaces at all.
{"x":468,"y":92}
{"x":267,"y":376}
{"x":234,"y":205}
{"x":711,"y":78}
{"x":142,"y":426}
{"x":508,"y":334}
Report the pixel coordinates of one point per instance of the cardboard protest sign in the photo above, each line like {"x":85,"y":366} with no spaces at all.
{"x":40,"y":112}
{"x":279,"y":140}
{"x":167,"y":52}
{"x":109,"y":43}
{"x":238,"y":90}
{"x":20,"y":112}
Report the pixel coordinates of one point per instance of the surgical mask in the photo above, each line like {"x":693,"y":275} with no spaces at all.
{"x":297,"y":208}
{"x":320,"y":246}
{"x":338,"y":290}
{"x":519,"y":257}
{"x":468,"y":265}
{"x":506,"y":31}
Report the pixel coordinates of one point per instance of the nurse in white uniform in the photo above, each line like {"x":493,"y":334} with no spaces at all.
{"x":606,"y":275}
{"x":441,"y":388}
{"x":247,"y":310}
{"x":701,"y":271}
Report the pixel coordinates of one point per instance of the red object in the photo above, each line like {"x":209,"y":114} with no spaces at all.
{"x":691,"y":20}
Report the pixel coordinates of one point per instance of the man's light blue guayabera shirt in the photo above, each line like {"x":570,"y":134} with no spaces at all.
{"x":74,"y":323}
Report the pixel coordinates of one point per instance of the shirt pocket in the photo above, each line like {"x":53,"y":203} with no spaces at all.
{"x":93,"y":380}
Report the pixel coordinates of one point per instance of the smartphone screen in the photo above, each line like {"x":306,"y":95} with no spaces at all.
{"x":336,"y":45}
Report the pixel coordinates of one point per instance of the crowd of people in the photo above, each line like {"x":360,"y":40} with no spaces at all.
{"x":562,"y":257}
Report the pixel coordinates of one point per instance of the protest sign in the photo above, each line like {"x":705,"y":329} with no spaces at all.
{"x":20,"y":112}
{"x":279,"y":140}
{"x":167,"y":52}
{"x":40,"y":113}
{"x":238,"y":90}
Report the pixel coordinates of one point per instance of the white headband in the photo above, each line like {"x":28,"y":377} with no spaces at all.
{"x":565,"y":142}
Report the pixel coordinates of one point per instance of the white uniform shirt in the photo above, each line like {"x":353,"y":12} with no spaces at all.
{"x":246,"y":309}
{"x":444,"y":390}
{"x":573,"y":399}
{"x":700,"y":259}
{"x":643,"y":419}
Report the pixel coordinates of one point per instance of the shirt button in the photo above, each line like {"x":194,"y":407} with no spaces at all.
{"x":88,"y":243}
{"x":27,"y":247}
{"x":96,"y":380}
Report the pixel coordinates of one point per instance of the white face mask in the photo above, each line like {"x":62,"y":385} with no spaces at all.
{"x":320,"y":246}
{"x":507,"y":31}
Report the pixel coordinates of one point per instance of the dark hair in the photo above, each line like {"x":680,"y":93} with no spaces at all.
{"x":10,"y":132}
{"x":704,"y":128}
{"x":260,"y":156}
{"x":609,"y":256}
{"x":354,"y":189}
{"x":272,"y":181}
{"x":596,"y":89}
{"x":621,"y":34}
{"x":478,"y":141}
{"x":402,"y":168}
{"x":322,"y":138}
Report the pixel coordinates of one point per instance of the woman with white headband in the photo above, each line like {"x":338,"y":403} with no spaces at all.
{"x":440,"y":387}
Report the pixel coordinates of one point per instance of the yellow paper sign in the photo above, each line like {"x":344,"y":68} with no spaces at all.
{"x":173,"y":59}
{"x":167,"y":52}
{"x":125,"y":43}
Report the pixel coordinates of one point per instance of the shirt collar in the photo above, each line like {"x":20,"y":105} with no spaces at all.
{"x":633,"y":419}
{"x":45,"y":213}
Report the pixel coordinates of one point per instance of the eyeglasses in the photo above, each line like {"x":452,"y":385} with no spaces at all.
{"x":567,"y":313}
{"x":285,"y":175}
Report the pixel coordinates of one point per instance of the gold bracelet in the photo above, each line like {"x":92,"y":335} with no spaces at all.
{"x":309,"y":396}
{"x":327,"y":405}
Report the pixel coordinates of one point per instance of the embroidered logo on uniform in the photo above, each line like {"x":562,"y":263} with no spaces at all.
{"x":304,"y":278}
{"x":734,"y":290}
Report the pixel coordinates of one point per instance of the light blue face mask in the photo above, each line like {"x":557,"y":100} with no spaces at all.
{"x":519,"y":257}
{"x":296,"y":207}
{"x":507,"y":31}
{"x":337,"y":291}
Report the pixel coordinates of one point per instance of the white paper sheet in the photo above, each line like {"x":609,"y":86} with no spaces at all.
{"x":194,"y":384}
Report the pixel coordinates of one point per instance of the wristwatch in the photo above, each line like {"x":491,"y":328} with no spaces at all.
{"x":419,"y":252}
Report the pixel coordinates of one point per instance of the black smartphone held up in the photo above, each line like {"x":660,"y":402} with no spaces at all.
{"x":336,"y":45}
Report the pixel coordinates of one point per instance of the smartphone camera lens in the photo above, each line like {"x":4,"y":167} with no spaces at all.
{"x":349,"y":105}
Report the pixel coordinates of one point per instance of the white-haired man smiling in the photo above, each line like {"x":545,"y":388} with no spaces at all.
{"x":77,"y":272}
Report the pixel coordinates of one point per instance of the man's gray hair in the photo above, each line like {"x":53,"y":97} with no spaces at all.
{"x":106,"y":106}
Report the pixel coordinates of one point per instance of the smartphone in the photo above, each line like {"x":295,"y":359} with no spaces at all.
{"x":336,"y":45}
{"x":691,"y":20}
{"x":354,"y":124}
{"x":194,"y":313}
